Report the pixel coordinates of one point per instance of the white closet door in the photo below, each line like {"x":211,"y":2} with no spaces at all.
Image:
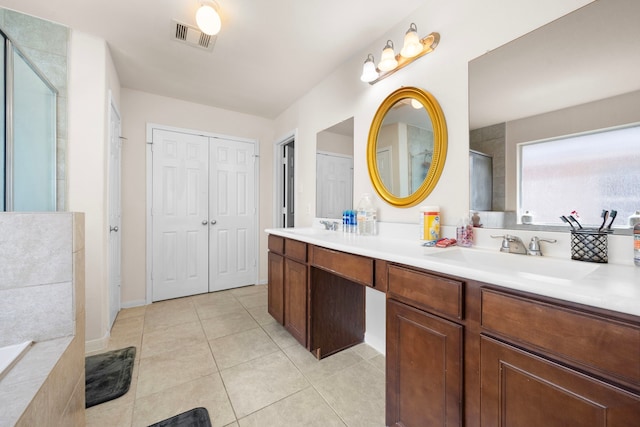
{"x":232,"y":249}
{"x":180,"y":214}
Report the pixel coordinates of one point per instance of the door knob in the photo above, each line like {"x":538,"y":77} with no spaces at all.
{"x":113,"y":229}
{"x":205,"y":222}
{"x":213,"y":222}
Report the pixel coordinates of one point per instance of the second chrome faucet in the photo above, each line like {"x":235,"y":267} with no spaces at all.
{"x":514,"y":245}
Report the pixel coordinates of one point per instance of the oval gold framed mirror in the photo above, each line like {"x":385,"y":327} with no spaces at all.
{"x":407,"y":146}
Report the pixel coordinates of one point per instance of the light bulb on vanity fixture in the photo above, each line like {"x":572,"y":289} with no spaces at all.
{"x":413,"y":48}
{"x":388,"y":59}
{"x":208,"y":18}
{"x":369,"y":71}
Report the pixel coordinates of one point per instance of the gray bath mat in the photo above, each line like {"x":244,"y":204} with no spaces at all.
{"x":108,"y":375}
{"x":197,"y":417}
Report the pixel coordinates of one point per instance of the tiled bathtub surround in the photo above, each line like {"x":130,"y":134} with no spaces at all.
{"x":42,"y":299}
{"x":36,"y":295}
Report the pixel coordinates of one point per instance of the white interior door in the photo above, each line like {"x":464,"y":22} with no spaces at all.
{"x":180,"y":217}
{"x":334,"y":186}
{"x":232,"y":208}
{"x":115,"y":210}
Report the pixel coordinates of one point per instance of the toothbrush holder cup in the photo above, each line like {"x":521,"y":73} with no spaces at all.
{"x":589,"y":245}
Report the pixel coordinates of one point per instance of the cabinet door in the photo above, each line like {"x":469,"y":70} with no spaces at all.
{"x":275,"y":287}
{"x":424,"y":368}
{"x":295,"y":299}
{"x":520,"y":389}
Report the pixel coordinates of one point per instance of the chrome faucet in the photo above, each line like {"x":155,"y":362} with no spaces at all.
{"x":330,"y":225}
{"x":512,"y":244}
{"x":534,"y":245}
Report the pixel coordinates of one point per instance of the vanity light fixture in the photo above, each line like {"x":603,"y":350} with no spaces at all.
{"x":208,"y":18}
{"x":413,"y":48}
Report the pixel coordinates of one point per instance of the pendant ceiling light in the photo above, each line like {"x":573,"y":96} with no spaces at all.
{"x":208,"y":19}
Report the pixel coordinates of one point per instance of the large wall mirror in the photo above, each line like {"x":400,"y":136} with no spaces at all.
{"x":407,"y":146}
{"x":334,"y":170}
{"x":576,"y":74}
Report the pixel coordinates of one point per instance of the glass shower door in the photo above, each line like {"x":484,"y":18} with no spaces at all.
{"x":31,"y":142}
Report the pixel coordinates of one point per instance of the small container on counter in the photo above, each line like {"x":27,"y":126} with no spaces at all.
{"x":464,"y":233}
{"x":430,"y":223}
{"x":349,"y":221}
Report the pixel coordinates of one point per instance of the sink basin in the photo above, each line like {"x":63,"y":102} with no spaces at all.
{"x":530,"y":267}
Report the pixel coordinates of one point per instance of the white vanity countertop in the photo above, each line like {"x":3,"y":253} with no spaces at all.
{"x":608,"y":286}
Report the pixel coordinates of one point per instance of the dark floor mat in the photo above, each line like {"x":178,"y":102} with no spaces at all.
{"x":197,"y":417}
{"x":108,"y":375}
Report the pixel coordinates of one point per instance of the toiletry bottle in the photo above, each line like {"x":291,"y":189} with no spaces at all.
{"x":345,"y":221}
{"x":366,"y":216}
{"x":636,"y":244}
{"x":464,"y":233}
{"x":430,"y":223}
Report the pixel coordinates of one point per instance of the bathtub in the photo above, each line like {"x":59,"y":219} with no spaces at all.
{"x":9,"y":355}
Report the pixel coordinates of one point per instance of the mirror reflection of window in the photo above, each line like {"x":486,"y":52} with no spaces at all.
{"x":587,"y":173}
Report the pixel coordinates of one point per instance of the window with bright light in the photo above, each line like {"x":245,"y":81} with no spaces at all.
{"x":586,"y":173}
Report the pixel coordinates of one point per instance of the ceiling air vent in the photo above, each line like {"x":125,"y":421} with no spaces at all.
{"x":192,"y":36}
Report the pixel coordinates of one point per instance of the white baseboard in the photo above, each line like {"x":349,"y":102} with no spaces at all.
{"x":376,"y":342}
{"x":132,"y":304}
{"x":97,"y":345}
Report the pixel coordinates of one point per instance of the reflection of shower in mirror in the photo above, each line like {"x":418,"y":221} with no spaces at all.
{"x":480,"y":180}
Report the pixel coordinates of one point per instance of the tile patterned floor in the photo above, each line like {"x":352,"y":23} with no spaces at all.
{"x":224,"y":351}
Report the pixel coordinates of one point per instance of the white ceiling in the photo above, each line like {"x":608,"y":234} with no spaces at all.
{"x":267,"y":55}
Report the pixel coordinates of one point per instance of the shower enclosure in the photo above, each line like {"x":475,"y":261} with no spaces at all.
{"x":27,"y":134}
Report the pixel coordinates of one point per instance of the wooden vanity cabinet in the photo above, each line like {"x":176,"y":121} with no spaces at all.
{"x":520,"y":388}
{"x":546,"y":364}
{"x":275,"y":287}
{"x":275,"y":278}
{"x":287,"y":287}
{"x":425,"y":364}
{"x":461,"y":352}
{"x":295,"y":299}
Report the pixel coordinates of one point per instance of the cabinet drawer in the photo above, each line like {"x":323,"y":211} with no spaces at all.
{"x":426,"y":291}
{"x":599,"y":344}
{"x":295,"y":249}
{"x":276,"y":244}
{"x":354,"y":267}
